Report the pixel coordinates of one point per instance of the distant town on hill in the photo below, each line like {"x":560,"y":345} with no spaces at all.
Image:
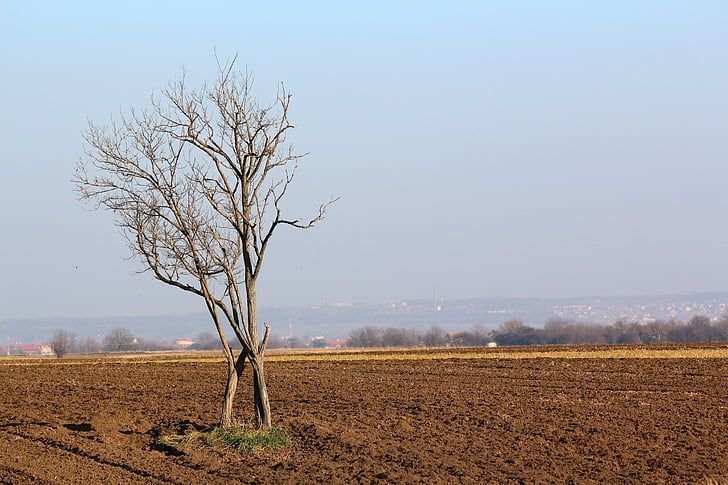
{"x":337,"y":320}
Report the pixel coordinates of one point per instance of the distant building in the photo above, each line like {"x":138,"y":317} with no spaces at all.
{"x":184,"y":343}
{"x":337,"y":343}
{"x":28,"y":349}
{"x":319,"y":342}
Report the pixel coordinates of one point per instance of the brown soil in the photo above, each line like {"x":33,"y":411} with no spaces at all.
{"x":470,"y":421}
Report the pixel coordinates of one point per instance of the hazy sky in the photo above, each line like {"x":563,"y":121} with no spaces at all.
{"x":495,"y":148}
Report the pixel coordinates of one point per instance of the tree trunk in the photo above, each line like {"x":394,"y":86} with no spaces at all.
{"x":260,"y":394}
{"x":227,"y":420}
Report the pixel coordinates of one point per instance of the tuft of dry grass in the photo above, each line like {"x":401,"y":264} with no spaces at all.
{"x":240,"y":438}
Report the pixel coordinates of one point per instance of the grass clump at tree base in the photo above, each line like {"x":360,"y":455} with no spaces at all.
{"x":241,"y":438}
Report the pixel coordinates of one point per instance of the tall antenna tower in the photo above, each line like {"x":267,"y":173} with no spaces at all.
{"x":434,"y":301}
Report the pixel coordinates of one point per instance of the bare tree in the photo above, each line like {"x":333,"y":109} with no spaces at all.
{"x":196,"y":182}
{"x":120,"y":339}
{"x":207,"y":341}
{"x":368,"y":336}
{"x":435,"y":337}
{"x":400,"y":337}
{"x":62,"y":342}
{"x":89,"y":345}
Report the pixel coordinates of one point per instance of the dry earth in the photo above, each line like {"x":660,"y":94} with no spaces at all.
{"x":452,"y":419}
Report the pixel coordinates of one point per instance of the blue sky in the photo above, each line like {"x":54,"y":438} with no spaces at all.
{"x":494,"y":148}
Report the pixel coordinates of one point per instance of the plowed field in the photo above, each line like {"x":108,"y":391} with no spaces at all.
{"x":449,"y":420}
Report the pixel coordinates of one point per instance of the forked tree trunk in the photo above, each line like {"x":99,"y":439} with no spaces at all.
{"x":227,"y":420}
{"x":260,"y":391}
{"x":260,"y":394}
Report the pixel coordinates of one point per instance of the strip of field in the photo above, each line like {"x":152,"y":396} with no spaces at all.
{"x":720,"y":353}
{"x":416,"y":354}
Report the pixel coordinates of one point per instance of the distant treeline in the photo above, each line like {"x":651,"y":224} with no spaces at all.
{"x":555,"y":331}
{"x":558,"y":331}
{"x":367,"y":337}
{"x":511,"y":332}
{"x":121,"y":339}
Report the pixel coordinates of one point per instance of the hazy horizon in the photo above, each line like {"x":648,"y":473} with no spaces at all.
{"x":551,"y":150}
{"x":201,"y":311}
{"x":338,"y":320}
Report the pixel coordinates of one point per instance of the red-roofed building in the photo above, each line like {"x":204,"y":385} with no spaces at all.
{"x":184,"y":343}
{"x":27,"y":349}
